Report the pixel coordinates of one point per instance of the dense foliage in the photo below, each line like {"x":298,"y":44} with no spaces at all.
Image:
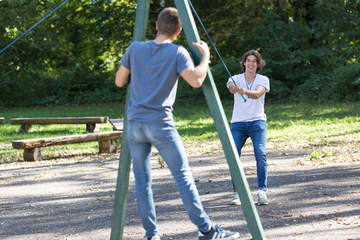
{"x":313,"y":56}
{"x":68,"y":58}
{"x":311,"y":48}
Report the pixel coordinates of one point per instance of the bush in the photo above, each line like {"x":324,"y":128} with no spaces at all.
{"x":21,"y":92}
{"x":341,"y":85}
{"x":83,"y":85}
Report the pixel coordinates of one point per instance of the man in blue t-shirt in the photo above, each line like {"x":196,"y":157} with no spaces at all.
{"x":155,"y":67}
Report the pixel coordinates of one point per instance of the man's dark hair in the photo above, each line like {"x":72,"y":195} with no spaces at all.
{"x":169,"y":21}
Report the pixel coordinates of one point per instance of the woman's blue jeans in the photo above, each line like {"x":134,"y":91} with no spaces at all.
{"x":141,"y":136}
{"x":257,"y":131}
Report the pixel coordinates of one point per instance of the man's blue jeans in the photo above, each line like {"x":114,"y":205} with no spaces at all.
{"x":257,"y":131}
{"x":165,"y":137}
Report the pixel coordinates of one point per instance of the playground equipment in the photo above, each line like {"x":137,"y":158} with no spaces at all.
{"x":217,"y":112}
{"x":221,"y":124}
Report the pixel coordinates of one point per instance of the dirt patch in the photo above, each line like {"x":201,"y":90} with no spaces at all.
{"x":73,"y":198}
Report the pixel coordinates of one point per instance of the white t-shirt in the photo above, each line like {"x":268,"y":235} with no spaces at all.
{"x":252,"y":109}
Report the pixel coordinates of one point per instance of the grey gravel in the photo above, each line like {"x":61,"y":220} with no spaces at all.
{"x":73,"y":199}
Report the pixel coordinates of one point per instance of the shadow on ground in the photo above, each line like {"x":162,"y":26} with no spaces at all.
{"x":74,"y":200}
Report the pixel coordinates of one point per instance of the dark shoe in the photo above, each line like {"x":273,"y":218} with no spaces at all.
{"x":217,"y":232}
{"x":155,"y":237}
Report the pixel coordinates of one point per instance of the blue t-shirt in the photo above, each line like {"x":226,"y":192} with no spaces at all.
{"x":155,"y":70}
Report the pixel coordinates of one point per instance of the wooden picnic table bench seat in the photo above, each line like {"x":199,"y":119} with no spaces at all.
{"x":118,"y":124}
{"x":2,"y":120}
{"x":32,"y":147}
{"x":91,"y":122}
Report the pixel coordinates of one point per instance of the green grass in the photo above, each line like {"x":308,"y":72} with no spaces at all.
{"x":306,"y":126}
{"x":295,"y":126}
{"x":290,"y":126}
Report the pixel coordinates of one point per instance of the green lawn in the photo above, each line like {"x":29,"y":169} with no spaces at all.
{"x":290,"y":126}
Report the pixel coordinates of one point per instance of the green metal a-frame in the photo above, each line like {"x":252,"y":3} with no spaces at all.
{"x":221,"y":124}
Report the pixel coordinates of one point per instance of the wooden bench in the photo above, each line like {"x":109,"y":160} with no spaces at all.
{"x":32,"y":147}
{"x":91,"y":122}
{"x":118,"y":124}
{"x":2,"y":120}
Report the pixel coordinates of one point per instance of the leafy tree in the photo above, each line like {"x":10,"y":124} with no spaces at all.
{"x":311,"y":38}
{"x":311,"y":48}
{"x":77,"y":49}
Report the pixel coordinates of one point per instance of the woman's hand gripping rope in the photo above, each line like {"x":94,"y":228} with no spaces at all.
{"x":235,"y":87}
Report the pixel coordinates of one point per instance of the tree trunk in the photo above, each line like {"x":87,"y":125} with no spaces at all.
{"x":252,"y":8}
{"x":297,"y":15}
{"x":308,"y":7}
{"x":296,"y":7}
{"x":281,"y":9}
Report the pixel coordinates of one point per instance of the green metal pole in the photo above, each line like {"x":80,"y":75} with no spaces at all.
{"x":222,"y":127}
{"x":122,"y":184}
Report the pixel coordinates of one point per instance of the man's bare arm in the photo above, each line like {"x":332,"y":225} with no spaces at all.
{"x":122,"y":76}
{"x":195,"y":76}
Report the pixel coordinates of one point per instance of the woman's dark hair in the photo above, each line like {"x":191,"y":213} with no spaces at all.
{"x":260,"y":62}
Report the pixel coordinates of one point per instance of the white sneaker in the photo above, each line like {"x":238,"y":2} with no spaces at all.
{"x":262,"y":199}
{"x":236,"y":200}
{"x":155,"y":237}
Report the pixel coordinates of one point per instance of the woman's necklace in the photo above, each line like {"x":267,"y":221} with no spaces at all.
{"x":249,"y":86}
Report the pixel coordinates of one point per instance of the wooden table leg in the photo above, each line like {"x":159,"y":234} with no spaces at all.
{"x":107,"y":146}
{"x":92,"y":127}
{"x":26,"y":128}
{"x":32,"y":155}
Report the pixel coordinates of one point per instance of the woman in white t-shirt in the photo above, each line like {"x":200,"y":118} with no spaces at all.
{"x":249,"y":118}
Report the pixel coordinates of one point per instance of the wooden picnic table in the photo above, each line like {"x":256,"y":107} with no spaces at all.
{"x":118,"y":124}
{"x":91,"y":122}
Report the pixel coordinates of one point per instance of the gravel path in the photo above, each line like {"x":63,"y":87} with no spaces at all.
{"x":73,"y":199}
